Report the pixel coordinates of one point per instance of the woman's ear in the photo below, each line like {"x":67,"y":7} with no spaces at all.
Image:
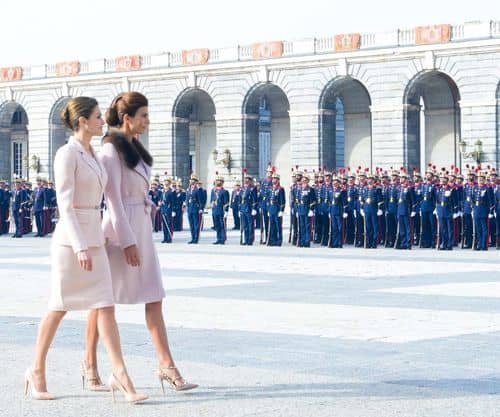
{"x":82,"y":123}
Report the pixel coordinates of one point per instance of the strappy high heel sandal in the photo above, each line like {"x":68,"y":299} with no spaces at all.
{"x":177,"y":383}
{"x":134,"y":398}
{"x":91,"y":378}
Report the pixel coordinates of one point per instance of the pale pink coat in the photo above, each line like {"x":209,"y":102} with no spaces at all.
{"x":126,"y":222}
{"x":80,"y":180}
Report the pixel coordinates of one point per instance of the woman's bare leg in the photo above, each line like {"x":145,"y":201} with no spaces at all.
{"x":158,"y":330}
{"x":108,"y":329}
{"x":46,"y":332}
{"x":92,"y":337}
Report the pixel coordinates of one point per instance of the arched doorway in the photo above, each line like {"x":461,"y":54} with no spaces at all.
{"x":345,"y":132}
{"x":266,"y":131}
{"x":14,"y":161}
{"x":432,"y":121}
{"x":194,"y":136}
{"x":58,"y":133}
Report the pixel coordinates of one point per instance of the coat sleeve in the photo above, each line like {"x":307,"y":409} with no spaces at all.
{"x":65,"y":177}
{"x":112,"y":163}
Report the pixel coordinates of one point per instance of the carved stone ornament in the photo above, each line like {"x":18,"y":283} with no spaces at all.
{"x":67,"y":68}
{"x":432,"y":34}
{"x":11,"y":73}
{"x":195,"y":56}
{"x":128,"y":63}
{"x":347,"y":42}
{"x":267,"y":50}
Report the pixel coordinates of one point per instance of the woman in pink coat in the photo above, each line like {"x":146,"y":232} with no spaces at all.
{"x":127,"y":224}
{"x":80,"y":273}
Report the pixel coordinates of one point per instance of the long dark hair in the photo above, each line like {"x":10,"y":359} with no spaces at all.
{"x":132,"y":152}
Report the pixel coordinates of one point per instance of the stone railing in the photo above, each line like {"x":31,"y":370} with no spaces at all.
{"x":265,"y":50}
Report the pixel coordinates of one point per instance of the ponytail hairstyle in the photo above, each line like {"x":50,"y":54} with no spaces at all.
{"x":127,"y":103}
{"x":75,"y":108}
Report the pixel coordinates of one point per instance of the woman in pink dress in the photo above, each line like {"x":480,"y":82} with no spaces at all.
{"x":80,"y":273}
{"x":127,"y":225}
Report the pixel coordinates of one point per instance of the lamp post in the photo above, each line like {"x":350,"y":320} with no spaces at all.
{"x":474,"y":154}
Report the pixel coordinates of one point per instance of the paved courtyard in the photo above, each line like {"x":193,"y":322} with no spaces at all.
{"x":278,"y":332}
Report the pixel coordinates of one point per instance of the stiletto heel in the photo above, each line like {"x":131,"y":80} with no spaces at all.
{"x":113,"y":395}
{"x":134,"y":398}
{"x":29,"y":387}
{"x":91,"y":377}
{"x":177,"y":383}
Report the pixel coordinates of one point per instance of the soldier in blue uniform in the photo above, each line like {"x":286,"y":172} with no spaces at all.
{"x":38,"y":205}
{"x":5,"y":197}
{"x":321,"y":223}
{"x":180,"y":202}
{"x":446,"y":206}
{"x":194,"y":201}
{"x":370,"y":199}
{"x":261,"y":209}
{"x":19,"y":197}
{"x":405,"y":212}
{"x":155,"y":197}
{"x":219,"y":201}
{"x":294,"y":189}
{"x":167,"y":204}
{"x":262,"y":196}
{"x":248,"y":211}
{"x":204,"y":199}
{"x":50,"y":209}
{"x":352,"y":209}
{"x":391,"y":209}
{"x":493,"y":220}
{"x":305,"y":202}
{"x":235,"y":205}
{"x":468,"y":227}
{"x":427,"y":209}
{"x":496,"y":200}
{"x":482,"y":208}
{"x":336,"y":204}
{"x":276,"y":206}
{"x":417,"y":220}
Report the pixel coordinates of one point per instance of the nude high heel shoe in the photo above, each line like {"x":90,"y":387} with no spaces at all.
{"x":91,"y":378}
{"x":176,"y":383}
{"x":134,"y":398}
{"x":29,"y":387}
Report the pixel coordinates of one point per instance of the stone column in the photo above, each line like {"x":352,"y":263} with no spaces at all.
{"x":304,"y":137}
{"x":230,"y":136}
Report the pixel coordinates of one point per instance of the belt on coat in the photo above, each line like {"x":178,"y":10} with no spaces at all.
{"x":87,"y":207}
{"x":139,"y":201}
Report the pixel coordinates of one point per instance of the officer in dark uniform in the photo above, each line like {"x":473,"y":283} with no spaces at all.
{"x":38,"y":205}
{"x":427,"y":209}
{"x":496,"y":199}
{"x":321,"y":223}
{"x":446,"y":206}
{"x":180,"y":202}
{"x":370,"y":198}
{"x":294,"y":189}
{"x":305,"y":202}
{"x":352,"y":209}
{"x":167,"y":204}
{"x":417,"y":220}
{"x":405,"y":212}
{"x":336,"y":204}
{"x":50,"y":210}
{"x":493,"y":220}
{"x":194,"y":201}
{"x":391,"y":206}
{"x":482,"y":208}
{"x":5,"y":197}
{"x":276,"y":206}
{"x":204,"y":199}
{"x":219,"y":201}
{"x":155,"y":197}
{"x":235,"y":204}
{"x":19,"y":197}
{"x":248,"y":210}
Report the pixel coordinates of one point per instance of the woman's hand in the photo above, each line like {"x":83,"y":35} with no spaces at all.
{"x":85,"y":260}
{"x":132,"y":255}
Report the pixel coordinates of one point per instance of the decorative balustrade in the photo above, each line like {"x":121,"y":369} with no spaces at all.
{"x":265,"y":50}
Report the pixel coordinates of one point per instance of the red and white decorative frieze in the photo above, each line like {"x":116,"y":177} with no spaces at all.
{"x":267,"y":50}
{"x":128,"y":63}
{"x":67,"y":68}
{"x":11,"y":74}
{"x":347,"y":42}
{"x":432,"y":34}
{"x":195,"y":56}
